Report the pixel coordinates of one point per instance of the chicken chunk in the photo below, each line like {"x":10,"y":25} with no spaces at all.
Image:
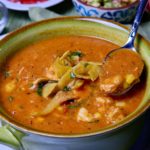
{"x":85,"y":116}
{"x":59,"y":98}
{"x":110,"y":85}
{"x":117,"y":83}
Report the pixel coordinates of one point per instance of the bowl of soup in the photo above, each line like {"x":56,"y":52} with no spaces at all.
{"x":50,"y":86}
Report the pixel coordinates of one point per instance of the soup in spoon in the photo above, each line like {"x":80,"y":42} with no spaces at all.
{"x":121,"y":71}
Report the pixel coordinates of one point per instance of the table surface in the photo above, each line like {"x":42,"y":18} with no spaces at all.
{"x":19,"y":19}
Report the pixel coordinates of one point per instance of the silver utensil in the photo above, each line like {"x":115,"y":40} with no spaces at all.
{"x":130,"y":42}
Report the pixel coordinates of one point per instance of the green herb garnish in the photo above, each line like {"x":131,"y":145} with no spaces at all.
{"x":72,"y":75}
{"x":66,"y":88}
{"x":39,"y":89}
{"x":76,"y":53}
{"x":73,"y":106}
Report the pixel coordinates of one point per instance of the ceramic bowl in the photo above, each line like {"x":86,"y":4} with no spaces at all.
{"x":3,"y":16}
{"x":120,"y":136}
{"x":122,"y":14}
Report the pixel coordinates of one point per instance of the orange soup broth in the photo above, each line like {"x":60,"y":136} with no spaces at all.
{"x":33,"y":62}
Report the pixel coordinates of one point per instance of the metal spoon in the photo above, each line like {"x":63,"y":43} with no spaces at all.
{"x":130,"y":43}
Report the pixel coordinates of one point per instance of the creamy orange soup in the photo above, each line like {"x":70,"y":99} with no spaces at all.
{"x":90,"y":111}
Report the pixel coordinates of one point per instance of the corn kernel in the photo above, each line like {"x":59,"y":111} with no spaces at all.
{"x":9,"y":87}
{"x":97,"y":115}
{"x":130,"y":78}
{"x":39,"y":119}
{"x":60,"y":108}
{"x":120,"y":104}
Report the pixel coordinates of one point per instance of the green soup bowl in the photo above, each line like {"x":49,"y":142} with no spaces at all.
{"x":120,"y":136}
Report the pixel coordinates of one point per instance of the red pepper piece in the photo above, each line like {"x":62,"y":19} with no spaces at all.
{"x":28,"y":1}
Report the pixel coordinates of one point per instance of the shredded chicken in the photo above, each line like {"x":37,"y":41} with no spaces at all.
{"x":59,"y":98}
{"x":85,"y":116}
{"x":111,"y":84}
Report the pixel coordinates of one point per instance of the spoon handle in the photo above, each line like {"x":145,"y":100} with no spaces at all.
{"x":136,"y":22}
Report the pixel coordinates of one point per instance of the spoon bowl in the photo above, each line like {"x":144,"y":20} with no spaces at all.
{"x":128,"y":46}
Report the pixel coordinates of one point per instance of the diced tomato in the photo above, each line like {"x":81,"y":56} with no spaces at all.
{"x":28,"y":1}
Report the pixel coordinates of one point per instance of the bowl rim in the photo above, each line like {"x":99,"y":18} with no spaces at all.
{"x":104,"y":131}
{"x":102,"y":8}
{"x":4,"y":17}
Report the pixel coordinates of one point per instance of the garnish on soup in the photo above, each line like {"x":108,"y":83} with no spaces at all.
{"x":71,"y":74}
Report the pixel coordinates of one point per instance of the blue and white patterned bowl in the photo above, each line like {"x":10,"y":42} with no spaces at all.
{"x":122,"y":14}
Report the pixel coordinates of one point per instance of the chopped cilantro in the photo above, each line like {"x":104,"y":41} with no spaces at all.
{"x":74,"y":106}
{"x":72,"y":75}
{"x":66,"y":88}
{"x":76,"y":53}
{"x":39,"y":89}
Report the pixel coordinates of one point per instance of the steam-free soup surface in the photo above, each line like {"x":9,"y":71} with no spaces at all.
{"x":88,"y":109}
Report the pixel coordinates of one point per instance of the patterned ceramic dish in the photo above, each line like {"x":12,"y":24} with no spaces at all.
{"x":121,"y":14}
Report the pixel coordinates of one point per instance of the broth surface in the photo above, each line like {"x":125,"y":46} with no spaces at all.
{"x":33,"y":62}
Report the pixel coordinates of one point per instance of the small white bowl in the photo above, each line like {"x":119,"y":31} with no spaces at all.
{"x":121,"y":14}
